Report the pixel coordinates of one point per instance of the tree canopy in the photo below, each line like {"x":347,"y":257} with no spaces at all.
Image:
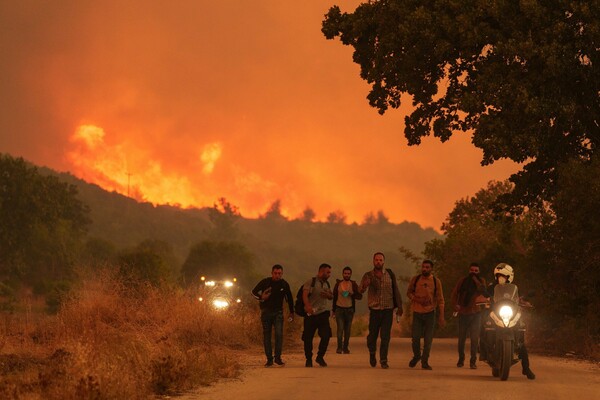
{"x":474,"y":232}
{"x":521,"y":76}
{"x":218,"y":260}
{"x":42,"y":223}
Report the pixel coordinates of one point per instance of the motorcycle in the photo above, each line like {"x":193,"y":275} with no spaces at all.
{"x":504,"y":331}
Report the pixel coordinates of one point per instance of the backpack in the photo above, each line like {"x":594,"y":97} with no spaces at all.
{"x":299,"y":306}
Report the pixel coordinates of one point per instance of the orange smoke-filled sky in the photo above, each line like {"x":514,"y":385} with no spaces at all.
{"x":188,"y":101}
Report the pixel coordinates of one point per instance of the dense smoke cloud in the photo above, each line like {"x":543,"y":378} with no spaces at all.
{"x":198,"y":100}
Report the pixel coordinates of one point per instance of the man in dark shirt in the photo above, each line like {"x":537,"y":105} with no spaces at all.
{"x":464,"y":299}
{"x":271,"y":292}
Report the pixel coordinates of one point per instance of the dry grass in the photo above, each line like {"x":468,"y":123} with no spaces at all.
{"x":111,"y":342}
{"x":571,"y":337}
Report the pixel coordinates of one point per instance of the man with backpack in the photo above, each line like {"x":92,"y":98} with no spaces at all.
{"x":316,"y":297}
{"x":425,"y":294}
{"x":271,"y":292}
{"x":383,"y":298}
{"x":463,"y":297}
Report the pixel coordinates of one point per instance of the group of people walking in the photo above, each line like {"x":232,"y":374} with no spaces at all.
{"x":320,"y":301}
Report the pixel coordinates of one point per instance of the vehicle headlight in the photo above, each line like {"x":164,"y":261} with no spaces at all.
{"x":506,"y":313}
{"x":220,"y":303}
{"x":210,"y":283}
{"x":228,"y":284}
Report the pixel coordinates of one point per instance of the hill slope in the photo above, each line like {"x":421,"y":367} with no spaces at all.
{"x":298,"y":245}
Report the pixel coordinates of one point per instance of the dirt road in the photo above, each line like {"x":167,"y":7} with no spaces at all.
{"x":350,"y":376}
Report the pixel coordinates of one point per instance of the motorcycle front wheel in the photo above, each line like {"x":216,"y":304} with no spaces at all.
{"x":507,"y":355}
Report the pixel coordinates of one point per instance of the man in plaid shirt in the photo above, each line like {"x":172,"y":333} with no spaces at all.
{"x":383,"y":297}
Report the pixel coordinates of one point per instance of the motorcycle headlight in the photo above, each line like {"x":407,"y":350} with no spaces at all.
{"x":506,"y":313}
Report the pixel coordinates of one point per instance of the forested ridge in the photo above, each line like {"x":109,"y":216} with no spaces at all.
{"x":117,"y":225}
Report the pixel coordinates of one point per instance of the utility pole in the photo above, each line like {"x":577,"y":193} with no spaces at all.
{"x":128,"y":180}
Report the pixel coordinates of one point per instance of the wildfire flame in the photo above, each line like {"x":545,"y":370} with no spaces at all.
{"x":96,"y":162}
{"x":132,"y":171}
{"x":210,"y":155}
{"x":124,"y":171}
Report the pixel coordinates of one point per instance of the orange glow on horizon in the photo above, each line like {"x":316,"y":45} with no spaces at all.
{"x":112,"y":168}
{"x":129,"y":170}
{"x":200,"y":100}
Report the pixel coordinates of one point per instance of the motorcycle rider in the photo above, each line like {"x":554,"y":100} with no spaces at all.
{"x":503,"y":274}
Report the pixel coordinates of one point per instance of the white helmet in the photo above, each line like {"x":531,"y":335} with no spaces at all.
{"x":506,"y":270}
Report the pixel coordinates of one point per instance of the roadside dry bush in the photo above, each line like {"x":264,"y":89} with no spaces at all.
{"x":111,"y":342}
{"x":570,"y":338}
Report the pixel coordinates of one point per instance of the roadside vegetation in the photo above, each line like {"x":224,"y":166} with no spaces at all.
{"x":554,"y":249}
{"x":112,"y":341}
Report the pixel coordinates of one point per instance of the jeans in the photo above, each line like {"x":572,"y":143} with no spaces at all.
{"x":343,"y":318}
{"x":423,"y":325}
{"x":380,"y":323}
{"x":316,"y":323}
{"x":468,"y":324}
{"x":269,"y":319}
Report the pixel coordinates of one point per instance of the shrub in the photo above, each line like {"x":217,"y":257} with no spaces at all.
{"x":108,"y":342}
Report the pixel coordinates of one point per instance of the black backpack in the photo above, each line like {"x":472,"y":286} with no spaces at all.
{"x":299,"y":306}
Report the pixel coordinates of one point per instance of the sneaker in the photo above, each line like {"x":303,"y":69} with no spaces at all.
{"x":279,"y":362}
{"x":529,"y":373}
{"x":384,"y":365}
{"x":346,"y":351}
{"x":308,"y":364}
{"x":460,"y":363}
{"x":426,"y":366}
{"x":269,"y":363}
{"x":372,"y":360}
{"x":321,"y":361}
{"x":414,"y":362}
{"x":339,"y":351}
{"x":473,"y":365}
